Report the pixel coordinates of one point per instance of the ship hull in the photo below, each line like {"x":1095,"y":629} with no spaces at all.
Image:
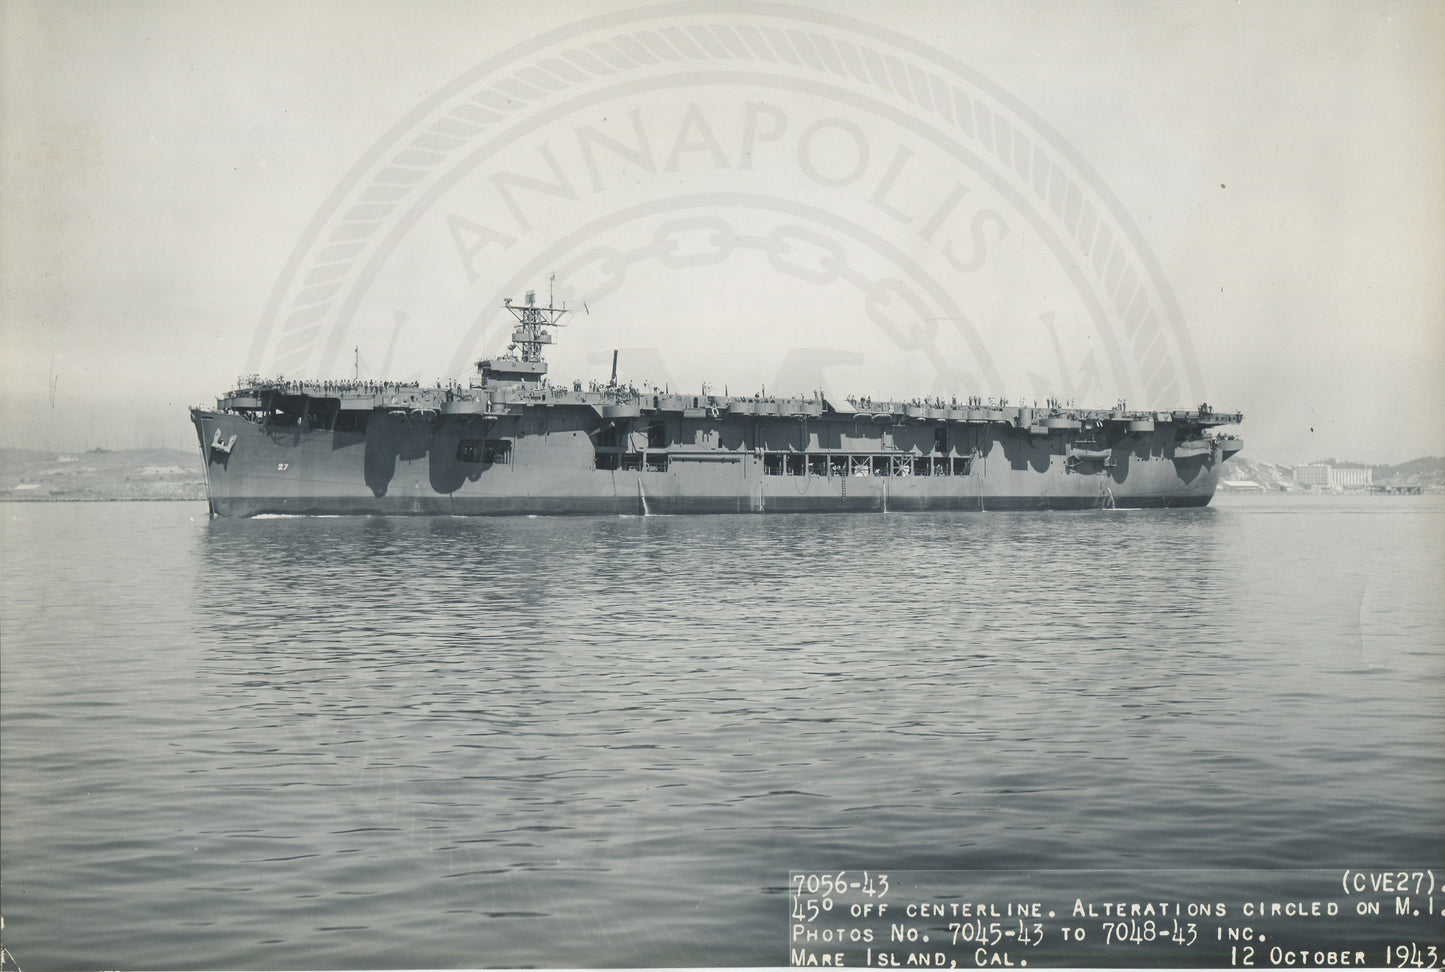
{"x":426,"y":465}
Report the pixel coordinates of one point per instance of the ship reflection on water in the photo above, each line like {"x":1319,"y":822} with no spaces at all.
{"x":542,"y":715}
{"x":417,"y":742}
{"x":530,"y":717}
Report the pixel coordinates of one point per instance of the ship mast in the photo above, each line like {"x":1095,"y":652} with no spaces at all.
{"x":530,"y":334}
{"x":523,"y":360}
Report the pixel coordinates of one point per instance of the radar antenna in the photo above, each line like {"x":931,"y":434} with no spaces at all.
{"x":531,"y":333}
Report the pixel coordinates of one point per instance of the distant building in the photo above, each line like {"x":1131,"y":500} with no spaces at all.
{"x":1349,"y":478}
{"x":1321,"y":475}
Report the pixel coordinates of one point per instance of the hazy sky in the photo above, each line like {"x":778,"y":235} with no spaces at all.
{"x":1283,"y":166}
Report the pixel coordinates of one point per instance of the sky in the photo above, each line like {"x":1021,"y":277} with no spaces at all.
{"x":1272,"y":173}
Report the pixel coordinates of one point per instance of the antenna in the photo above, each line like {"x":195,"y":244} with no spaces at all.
{"x":528,"y":335}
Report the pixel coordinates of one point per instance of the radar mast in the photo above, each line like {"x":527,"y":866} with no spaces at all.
{"x":530,"y":334}
{"x":523,"y":360}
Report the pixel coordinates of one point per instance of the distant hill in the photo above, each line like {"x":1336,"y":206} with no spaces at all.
{"x":130,"y":474}
{"x":1249,"y":474}
{"x":1244,"y":474}
{"x":1428,"y":473}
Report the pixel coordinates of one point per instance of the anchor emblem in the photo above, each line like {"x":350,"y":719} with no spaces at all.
{"x":218,"y":445}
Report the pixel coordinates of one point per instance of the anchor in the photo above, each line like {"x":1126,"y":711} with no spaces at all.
{"x":226,"y":446}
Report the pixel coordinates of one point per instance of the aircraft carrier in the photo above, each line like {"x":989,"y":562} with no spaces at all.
{"x":510,"y":441}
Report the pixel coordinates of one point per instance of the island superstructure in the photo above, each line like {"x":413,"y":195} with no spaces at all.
{"x":510,"y":441}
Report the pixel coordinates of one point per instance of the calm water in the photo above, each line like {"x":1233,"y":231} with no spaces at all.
{"x":349,"y":743}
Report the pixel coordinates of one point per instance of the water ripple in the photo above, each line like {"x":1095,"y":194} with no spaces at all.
{"x":605,"y":741}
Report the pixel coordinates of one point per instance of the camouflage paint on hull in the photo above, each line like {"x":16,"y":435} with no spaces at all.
{"x":428,"y":463}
